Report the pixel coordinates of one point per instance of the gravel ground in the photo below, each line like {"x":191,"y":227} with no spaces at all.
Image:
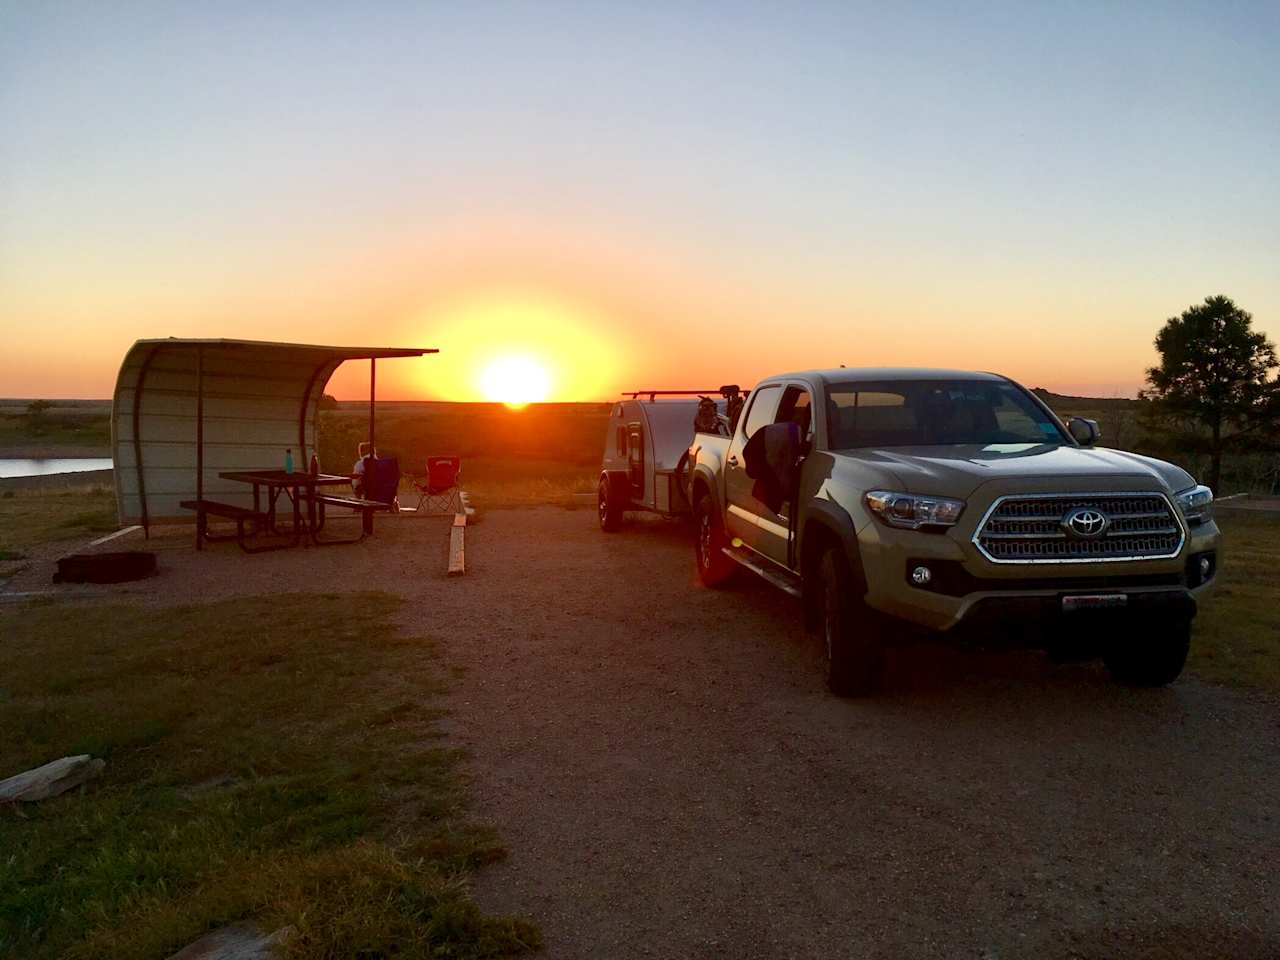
{"x":673,"y":780}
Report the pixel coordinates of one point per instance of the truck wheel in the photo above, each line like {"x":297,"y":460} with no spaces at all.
{"x":852,"y":632}
{"x":609,"y":508}
{"x":1151,"y":657}
{"x":714,"y":568}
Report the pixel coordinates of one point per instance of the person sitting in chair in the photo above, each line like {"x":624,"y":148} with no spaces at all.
{"x":366,"y":453}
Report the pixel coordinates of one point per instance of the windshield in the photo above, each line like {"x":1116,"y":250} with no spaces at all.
{"x":904,"y":413}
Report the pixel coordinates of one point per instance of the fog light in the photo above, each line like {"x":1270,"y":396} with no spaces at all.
{"x":920,"y":576}
{"x":1205,"y":567}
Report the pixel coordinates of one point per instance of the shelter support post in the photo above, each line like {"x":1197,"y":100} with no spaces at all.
{"x":137,"y":443}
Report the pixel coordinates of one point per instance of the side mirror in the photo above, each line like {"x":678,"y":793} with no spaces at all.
{"x":1084,"y":432}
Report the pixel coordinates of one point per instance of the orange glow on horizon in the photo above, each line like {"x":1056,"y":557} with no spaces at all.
{"x":516,"y":348}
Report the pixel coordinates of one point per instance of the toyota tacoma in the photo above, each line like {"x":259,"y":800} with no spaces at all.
{"x":887,"y":499}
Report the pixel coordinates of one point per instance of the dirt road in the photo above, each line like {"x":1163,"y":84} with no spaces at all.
{"x":673,"y":780}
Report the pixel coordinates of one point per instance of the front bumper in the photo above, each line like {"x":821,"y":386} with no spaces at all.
{"x":1029,"y":618}
{"x":966,"y":589}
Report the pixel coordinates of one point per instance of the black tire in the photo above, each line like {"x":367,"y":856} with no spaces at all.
{"x":1151,"y":655}
{"x":852,"y":632}
{"x":714,"y":568}
{"x":608,"y":507}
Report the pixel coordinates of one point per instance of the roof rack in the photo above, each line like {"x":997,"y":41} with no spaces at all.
{"x":728,"y":390}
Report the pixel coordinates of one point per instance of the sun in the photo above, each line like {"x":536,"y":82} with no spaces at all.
{"x":515,"y":381}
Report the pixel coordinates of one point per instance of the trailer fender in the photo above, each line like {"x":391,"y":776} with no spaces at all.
{"x":619,"y":484}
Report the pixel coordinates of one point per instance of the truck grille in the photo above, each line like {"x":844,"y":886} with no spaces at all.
{"x":1080,"y":528}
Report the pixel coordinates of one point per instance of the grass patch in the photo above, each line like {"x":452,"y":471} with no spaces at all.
{"x":32,"y":517}
{"x":270,"y":758}
{"x":544,"y":453}
{"x":524,"y":483}
{"x":497,"y":484}
{"x":1237,"y":632}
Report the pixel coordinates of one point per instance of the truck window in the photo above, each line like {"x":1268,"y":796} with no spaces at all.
{"x":764,"y":403}
{"x":797,"y":407}
{"x":932,"y":412}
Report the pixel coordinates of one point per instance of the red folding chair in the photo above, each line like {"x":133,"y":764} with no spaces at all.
{"x":440,"y":493}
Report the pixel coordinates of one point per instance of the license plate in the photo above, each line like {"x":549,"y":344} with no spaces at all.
{"x":1094,"y":601}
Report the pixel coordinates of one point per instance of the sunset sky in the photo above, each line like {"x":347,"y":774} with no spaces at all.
{"x":633,"y":195}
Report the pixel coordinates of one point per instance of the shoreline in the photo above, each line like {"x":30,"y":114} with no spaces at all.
{"x":79,"y":478}
{"x":68,"y":452}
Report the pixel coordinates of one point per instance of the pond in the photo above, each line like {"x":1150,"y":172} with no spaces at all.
{"x":40,"y":468}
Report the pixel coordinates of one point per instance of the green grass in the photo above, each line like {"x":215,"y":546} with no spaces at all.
{"x":270,"y":758}
{"x":540,"y":433}
{"x":1237,"y":632}
{"x":32,"y":517}
{"x":523,"y":483}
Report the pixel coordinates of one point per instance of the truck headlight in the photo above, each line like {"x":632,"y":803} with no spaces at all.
{"x":910,"y":511}
{"x":1196,"y":504}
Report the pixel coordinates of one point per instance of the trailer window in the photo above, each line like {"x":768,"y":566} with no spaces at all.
{"x":622,"y":441}
{"x":764,"y":403}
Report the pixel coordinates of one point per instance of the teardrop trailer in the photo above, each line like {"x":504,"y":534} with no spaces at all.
{"x":646,"y":449}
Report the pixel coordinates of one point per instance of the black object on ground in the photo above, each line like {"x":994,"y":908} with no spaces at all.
{"x":105,"y":567}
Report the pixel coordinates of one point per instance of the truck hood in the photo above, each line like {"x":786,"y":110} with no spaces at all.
{"x":957,"y":470}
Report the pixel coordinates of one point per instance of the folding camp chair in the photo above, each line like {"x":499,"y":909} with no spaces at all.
{"x":440,"y":493}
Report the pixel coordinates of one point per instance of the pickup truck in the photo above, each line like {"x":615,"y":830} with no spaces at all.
{"x":955,"y":502}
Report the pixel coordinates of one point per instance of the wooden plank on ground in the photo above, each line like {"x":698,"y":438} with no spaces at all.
{"x":457,"y":535}
{"x":112,"y":536}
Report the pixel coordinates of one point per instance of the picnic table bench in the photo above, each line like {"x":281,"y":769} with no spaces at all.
{"x":367,"y":509}
{"x":229,"y":511}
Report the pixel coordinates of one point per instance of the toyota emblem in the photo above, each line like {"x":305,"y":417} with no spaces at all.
{"x":1085,"y":522}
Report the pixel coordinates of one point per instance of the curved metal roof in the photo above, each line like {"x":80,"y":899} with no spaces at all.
{"x":257,"y":399}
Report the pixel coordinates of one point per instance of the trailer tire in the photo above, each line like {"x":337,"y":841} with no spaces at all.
{"x":714,"y":568}
{"x":609,"y":507}
{"x":853,"y":633}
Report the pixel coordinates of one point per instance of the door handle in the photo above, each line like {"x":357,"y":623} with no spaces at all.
{"x":733,"y":461}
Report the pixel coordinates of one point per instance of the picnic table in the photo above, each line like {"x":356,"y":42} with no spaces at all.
{"x":298,"y":486}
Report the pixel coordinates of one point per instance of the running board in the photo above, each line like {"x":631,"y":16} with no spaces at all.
{"x":765,"y":570}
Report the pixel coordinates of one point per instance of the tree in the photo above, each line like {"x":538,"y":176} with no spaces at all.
{"x":37,"y":411}
{"x":1212,"y":388}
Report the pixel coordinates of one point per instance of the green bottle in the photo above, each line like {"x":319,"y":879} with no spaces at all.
{"x":288,"y":461}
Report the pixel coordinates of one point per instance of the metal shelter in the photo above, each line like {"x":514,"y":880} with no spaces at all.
{"x":186,"y":410}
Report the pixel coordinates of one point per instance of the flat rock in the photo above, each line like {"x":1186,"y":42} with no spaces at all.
{"x":239,"y":941}
{"x":51,"y":779}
